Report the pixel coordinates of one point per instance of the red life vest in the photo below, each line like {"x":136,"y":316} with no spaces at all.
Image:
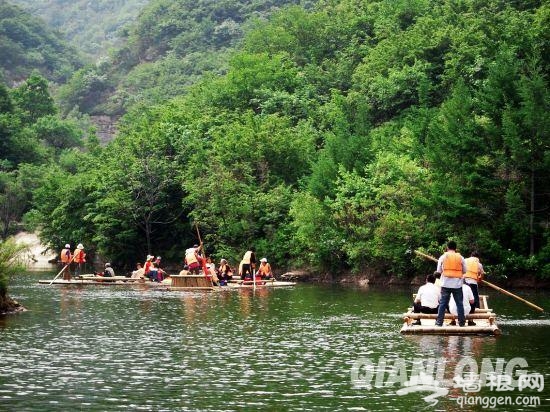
{"x":79,"y":256}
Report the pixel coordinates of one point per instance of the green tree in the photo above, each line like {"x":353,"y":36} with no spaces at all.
{"x":33,"y":99}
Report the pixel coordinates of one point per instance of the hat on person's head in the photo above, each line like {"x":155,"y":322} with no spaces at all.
{"x":158,"y":257}
{"x":223,"y":261}
{"x":195,"y":245}
{"x":67,"y":246}
{"x":80,"y":246}
{"x":150,"y":257}
{"x":107,"y":265}
{"x":263,"y":260}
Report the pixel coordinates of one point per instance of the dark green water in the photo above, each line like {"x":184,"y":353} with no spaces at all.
{"x":113,"y":348}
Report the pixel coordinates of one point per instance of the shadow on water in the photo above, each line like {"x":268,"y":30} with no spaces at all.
{"x":110,"y":347}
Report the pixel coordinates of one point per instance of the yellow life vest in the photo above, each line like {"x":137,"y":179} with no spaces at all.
{"x":191,"y":257}
{"x":247,"y":257}
{"x":264,"y":269}
{"x":472,"y":268}
{"x":452,"y":265}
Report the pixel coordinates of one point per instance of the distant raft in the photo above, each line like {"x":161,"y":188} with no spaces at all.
{"x":484,"y":318}
{"x":91,"y":279}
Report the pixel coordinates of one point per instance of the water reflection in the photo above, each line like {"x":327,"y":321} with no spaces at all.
{"x":106,"y":348}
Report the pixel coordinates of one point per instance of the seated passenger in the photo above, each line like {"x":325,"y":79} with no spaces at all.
{"x":108,"y":272}
{"x":139,"y":273}
{"x":467,"y":301}
{"x":265,"y":269}
{"x":427,"y":298}
{"x":225,"y":273}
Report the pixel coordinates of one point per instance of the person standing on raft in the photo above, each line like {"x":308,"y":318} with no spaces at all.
{"x":452,"y":267}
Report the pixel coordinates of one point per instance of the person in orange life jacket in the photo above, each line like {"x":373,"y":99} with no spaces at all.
{"x":474,"y":274}
{"x":452,"y":267}
{"x":427,"y":298}
{"x":225,"y":273}
{"x":193,"y":259}
{"x":65,"y":257}
{"x":248,"y":264}
{"x":264,"y":270}
{"x":79,"y":259}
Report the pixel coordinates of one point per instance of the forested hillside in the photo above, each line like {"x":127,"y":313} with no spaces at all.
{"x":340,"y":137}
{"x":92,"y":25}
{"x":170,"y":46}
{"x":337,"y":136}
{"x":27,"y":44}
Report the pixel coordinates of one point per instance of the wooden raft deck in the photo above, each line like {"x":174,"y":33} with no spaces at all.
{"x":266,"y":283}
{"x":483,"y":317}
{"x":99,"y":280}
{"x":191,"y":282}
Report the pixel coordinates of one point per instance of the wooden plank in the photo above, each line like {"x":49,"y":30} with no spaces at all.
{"x":450,"y":330}
{"x":448,"y":315}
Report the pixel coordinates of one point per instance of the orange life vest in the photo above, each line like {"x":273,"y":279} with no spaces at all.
{"x":79,"y":256}
{"x":264,"y":269}
{"x":452,"y":265}
{"x":65,"y":256}
{"x":472,"y":268}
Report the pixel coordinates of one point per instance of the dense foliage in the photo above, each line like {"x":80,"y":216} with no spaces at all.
{"x":27,"y":44}
{"x":170,"y":46}
{"x":12,"y":260}
{"x":340,"y":137}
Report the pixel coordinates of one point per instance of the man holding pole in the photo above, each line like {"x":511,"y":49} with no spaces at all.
{"x":452,"y":267}
{"x":474,"y":274}
{"x":66,"y":257}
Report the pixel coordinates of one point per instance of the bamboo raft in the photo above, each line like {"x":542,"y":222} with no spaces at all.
{"x":100,"y":280}
{"x":484,"y":317}
{"x":264,"y":283}
{"x":174,"y":282}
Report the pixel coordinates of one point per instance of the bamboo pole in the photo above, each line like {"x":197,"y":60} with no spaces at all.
{"x":62,"y":270}
{"x":490,"y":285}
{"x":204,"y":268}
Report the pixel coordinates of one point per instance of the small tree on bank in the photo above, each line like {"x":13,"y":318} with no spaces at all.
{"x":11,"y":262}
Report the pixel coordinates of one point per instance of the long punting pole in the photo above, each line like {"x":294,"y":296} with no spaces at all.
{"x":490,"y":285}
{"x":204,"y":268}
{"x":62,"y":270}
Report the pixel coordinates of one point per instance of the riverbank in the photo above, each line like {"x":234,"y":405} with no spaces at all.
{"x":364,"y":279}
{"x":9,"y":306}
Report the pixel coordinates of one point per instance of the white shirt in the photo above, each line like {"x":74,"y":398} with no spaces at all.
{"x":428,"y":295}
{"x":467,"y":296}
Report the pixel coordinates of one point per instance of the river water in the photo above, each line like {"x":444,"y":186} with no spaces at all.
{"x":108,"y":348}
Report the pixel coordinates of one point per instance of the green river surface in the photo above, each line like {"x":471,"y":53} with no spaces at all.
{"x":108,"y":348}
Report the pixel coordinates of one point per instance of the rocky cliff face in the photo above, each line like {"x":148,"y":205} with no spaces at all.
{"x":106,"y":127}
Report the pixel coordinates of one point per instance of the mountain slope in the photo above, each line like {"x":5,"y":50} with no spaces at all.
{"x":26,"y":44}
{"x":92,"y":25}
